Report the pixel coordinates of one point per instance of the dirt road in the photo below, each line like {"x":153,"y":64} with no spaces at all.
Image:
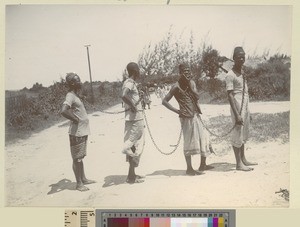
{"x":38,"y":170}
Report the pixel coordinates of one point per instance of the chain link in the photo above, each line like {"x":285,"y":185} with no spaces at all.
{"x":110,"y":112}
{"x":240,"y":112}
{"x":153,"y":141}
{"x":180,"y":135}
{"x":147,"y":124}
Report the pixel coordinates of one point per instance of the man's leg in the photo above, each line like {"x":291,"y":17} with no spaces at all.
{"x":77,"y":168}
{"x":203,"y":165}
{"x":239,"y":164}
{"x":243,"y":157}
{"x":189,"y":169}
{"x":131,"y":171}
{"x":83,"y":177}
{"x":132,"y":177}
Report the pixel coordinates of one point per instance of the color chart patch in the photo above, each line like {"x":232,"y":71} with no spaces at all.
{"x":182,"y":218}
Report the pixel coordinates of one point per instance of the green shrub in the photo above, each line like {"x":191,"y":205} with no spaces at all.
{"x":270,"y":80}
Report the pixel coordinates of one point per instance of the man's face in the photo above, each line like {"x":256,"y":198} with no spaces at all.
{"x":186,"y":73}
{"x":76,"y":82}
{"x":239,"y":58}
{"x":136,"y":73}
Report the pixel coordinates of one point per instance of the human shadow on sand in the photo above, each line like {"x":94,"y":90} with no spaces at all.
{"x":222,"y":167}
{"x":217,"y":167}
{"x":64,"y":184}
{"x":113,"y":180}
{"x":168,"y":172}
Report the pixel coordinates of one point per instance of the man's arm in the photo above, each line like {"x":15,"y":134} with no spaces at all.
{"x":167,"y":98}
{"x":195,"y":94}
{"x":67,"y":112}
{"x":127,"y":100}
{"x":193,"y":89}
{"x":238,"y":118}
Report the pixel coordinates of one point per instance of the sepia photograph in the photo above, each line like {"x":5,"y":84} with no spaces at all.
{"x":147,"y":106}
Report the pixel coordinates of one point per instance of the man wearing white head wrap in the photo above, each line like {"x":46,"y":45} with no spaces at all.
{"x":237,"y":90}
{"x":74,"y":110}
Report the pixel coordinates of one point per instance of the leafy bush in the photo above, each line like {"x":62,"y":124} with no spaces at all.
{"x":210,"y":62}
{"x":269,"y":80}
{"x":159,"y":63}
{"x":24,"y":111}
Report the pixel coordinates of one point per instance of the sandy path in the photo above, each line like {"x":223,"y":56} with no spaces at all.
{"x":38,"y":170}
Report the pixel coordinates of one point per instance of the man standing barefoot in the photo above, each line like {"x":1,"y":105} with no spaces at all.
{"x":134,"y":123}
{"x":237,"y":91}
{"x":196,"y":138}
{"x":74,"y":110}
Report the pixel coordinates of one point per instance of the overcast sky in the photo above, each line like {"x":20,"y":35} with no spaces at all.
{"x":44,"y":42}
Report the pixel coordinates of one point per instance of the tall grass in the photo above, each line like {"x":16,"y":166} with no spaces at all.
{"x":264,"y":128}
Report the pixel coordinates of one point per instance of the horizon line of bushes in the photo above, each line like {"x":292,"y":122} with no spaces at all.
{"x":269,"y":80}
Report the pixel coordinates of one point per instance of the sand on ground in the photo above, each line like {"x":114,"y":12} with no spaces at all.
{"x":38,"y":170}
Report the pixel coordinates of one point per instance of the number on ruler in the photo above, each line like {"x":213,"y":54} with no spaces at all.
{"x":79,"y":218}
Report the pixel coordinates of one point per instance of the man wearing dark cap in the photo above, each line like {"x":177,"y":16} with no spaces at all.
{"x":196,"y":138}
{"x":134,"y":123}
{"x":237,"y":90}
{"x":74,"y":110}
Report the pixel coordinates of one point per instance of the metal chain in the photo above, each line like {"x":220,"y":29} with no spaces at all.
{"x":153,"y":141}
{"x":240,"y":112}
{"x":116,"y":112}
{"x":145,"y":117}
{"x":214,"y":134}
{"x":180,"y":135}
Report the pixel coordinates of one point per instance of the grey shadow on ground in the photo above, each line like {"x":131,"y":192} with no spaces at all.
{"x":217,"y":167}
{"x":64,"y":184}
{"x":168,"y":173}
{"x":114,"y":180}
{"x":222,"y":167}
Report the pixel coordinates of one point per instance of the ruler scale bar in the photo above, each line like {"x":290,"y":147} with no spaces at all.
{"x":149,"y":218}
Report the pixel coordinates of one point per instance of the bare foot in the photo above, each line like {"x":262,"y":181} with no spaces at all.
{"x":82,"y":188}
{"x":244,"y":168}
{"x":88,"y":181}
{"x":192,"y":172}
{"x":134,"y":181}
{"x":205,"y":167}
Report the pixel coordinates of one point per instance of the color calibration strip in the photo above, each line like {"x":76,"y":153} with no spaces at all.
{"x":224,"y":218}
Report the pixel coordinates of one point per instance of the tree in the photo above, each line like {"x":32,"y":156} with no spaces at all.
{"x":211,"y":62}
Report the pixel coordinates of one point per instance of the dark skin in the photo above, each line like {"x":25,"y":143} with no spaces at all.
{"x":66,"y":111}
{"x":242,"y":163}
{"x":239,"y":61}
{"x":187,"y":84}
{"x":78,"y":167}
{"x":134,"y":73}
